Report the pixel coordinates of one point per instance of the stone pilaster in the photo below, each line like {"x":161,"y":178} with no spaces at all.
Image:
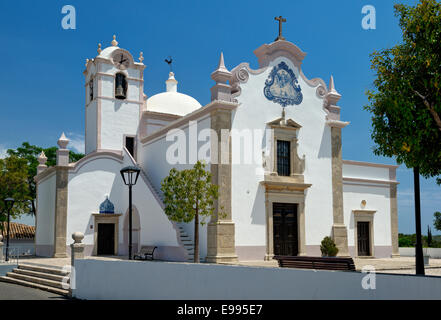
{"x":220,"y":230}
{"x":62,"y":175}
{"x":60,"y":212}
{"x":339,"y":230}
{"x":394,"y":215}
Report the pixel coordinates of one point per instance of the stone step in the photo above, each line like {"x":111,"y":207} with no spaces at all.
{"x":43,"y":269}
{"x":36,"y":274}
{"x":42,"y":281}
{"x":34,"y":285}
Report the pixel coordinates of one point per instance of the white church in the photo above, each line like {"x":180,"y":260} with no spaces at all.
{"x":296,"y":191}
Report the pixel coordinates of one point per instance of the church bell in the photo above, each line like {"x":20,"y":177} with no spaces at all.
{"x":120,"y":86}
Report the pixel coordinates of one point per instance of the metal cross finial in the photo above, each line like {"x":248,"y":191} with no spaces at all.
{"x":281,"y":20}
{"x":169,"y":62}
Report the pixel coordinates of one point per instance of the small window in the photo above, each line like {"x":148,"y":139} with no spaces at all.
{"x":283,"y":158}
{"x":130,"y":145}
{"x":91,"y":90}
{"x":120,"y":86}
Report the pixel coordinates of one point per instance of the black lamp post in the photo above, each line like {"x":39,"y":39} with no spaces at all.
{"x":130,"y":176}
{"x":9,"y":204}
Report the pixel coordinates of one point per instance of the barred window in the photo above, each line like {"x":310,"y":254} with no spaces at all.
{"x":283,"y":158}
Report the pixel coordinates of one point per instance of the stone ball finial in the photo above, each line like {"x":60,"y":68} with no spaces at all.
{"x":99,"y":48}
{"x":77,"y":236}
{"x":63,"y":141}
{"x":141,"y":57}
{"x":42,"y":158}
{"x":114,"y":42}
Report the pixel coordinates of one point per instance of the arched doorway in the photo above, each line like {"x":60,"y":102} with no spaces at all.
{"x":136,"y":231}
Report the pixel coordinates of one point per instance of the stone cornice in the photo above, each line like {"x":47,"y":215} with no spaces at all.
{"x":197,"y":114}
{"x":76,"y":165}
{"x":363,"y":211}
{"x":268,"y":52}
{"x":337,"y":123}
{"x":369,"y":181}
{"x":282,"y":183}
{"x":369,"y":164}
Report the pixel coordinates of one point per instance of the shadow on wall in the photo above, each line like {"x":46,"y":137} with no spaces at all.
{"x":258,"y":213}
{"x":325,"y":144}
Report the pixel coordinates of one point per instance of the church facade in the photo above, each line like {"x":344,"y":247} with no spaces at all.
{"x":271,"y":138}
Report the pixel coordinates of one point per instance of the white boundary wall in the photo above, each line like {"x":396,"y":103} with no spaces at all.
{"x":434,"y":253}
{"x":98,"y":279}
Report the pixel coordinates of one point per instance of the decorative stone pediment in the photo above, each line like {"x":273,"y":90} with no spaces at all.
{"x":284,"y":123}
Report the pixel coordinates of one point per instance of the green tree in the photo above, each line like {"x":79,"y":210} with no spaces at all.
{"x":406,"y":102}
{"x":30,"y":153}
{"x":437,"y":220}
{"x":189,"y":194}
{"x":13,"y":183}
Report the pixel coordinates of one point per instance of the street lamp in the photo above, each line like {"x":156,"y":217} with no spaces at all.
{"x":9,"y":202}
{"x":130,"y":176}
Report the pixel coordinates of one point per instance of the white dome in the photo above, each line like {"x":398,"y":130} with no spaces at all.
{"x":171,"y":101}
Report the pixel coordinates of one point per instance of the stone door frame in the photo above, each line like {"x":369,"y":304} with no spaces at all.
{"x":298,"y":198}
{"x":105,"y":218}
{"x":364,"y":216}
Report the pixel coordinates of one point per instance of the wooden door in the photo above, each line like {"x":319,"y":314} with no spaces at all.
{"x":285,"y":229}
{"x":363,"y":239}
{"x":106,"y":239}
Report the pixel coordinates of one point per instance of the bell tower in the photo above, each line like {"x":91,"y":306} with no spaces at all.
{"x":114,"y":88}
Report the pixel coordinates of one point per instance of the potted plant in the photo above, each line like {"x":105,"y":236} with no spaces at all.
{"x":328,"y":247}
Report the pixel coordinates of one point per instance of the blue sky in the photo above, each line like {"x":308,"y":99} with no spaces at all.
{"x":41,"y":83}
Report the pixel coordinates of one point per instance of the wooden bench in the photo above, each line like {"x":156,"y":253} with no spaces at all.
{"x":146,"y":253}
{"x":319,"y":263}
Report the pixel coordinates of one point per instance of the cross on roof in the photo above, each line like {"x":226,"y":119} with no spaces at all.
{"x":281,"y":20}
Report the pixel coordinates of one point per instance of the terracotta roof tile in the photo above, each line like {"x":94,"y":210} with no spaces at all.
{"x":18,"y":231}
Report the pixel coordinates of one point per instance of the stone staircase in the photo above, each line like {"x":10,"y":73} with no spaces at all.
{"x":187,"y":242}
{"x":184,"y":237}
{"x":39,"y":277}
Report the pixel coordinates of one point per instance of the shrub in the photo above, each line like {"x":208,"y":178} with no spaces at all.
{"x":328,"y":247}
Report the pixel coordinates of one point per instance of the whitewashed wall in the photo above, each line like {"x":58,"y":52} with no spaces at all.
{"x":152,"y":158}
{"x":248,"y":197}
{"x":95,"y":179}
{"x":365,"y":172}
{"x":434,"y":253}
{"x":44,"y":233}
{"x":377,"y":198}
{"x":98,"y":279}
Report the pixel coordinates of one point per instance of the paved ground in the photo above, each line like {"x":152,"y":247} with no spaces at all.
{"x":9,"y":291}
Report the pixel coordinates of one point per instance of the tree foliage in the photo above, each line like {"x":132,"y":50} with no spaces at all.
{"x":406,"y":102}
{"x":189,"y":194}
{"x":13,"y":183}
{"x":28,"y":155}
